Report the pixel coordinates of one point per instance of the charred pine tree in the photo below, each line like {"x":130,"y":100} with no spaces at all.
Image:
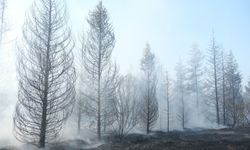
{"x":223,"y":88}
{"x":234,"y":101}
{"x":195,"y":76}
{"x":214,"y":64}
{"x":180,"y":89}
{"x":46,"y":74}
{"x":97,"y":50}
{"x":149,"y":107}
{"x":168,"y":86}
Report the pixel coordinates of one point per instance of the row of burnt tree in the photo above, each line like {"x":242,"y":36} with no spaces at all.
{"x":47,"y":76}
{"x":214,"y":83}
{"x":106,"y":100}
{"x":112,"y":102}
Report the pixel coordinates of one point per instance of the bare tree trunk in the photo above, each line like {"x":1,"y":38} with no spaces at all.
{"x":45,"y":99}
{"x":43,"y":124}
{"x":181,"y":91}
{"x":148,"y":124}
{"x":44,"y":116}
{"x":168,"y":114}
{"x":99,"y":100}
{"x":149,"y":105}
{"x":99,"y":80}
{"x":216,"y":94}
{"x":234,"y":108}
{"x":215,"y":80}
{"x":223,"y":91}
{"x":183,"y":111}
{"x":79,"y":119}
{"x":148,"y":99}
{"x":197,"y":95}
{"x":168,"y":100}
{"x":195,"y":72}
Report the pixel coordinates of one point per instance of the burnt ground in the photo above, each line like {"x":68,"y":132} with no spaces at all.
{"x":223,"y":139}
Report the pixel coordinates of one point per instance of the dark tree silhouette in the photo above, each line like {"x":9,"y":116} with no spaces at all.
{"x":149,"y":105}
{"x":126,"y":106}
{"x":168,"y":99}
{"x":46,"y":74}
{"x":181,"y":93}
{"x":96,"y":52}
{"x":195,"y":76}
{"x":233,"y":99}
{"x":214,"y":64}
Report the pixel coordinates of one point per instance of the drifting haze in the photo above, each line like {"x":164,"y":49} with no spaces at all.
{"x":170,"y":26}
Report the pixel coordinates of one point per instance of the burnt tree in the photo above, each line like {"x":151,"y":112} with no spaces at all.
{"x":46,"y":75}
{"x":96,"y":55}
{"x":149,"y":105}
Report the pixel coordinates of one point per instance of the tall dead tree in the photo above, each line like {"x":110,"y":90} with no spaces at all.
{"x":149,"y":107}
{"x":168,"y":85}
{"x":79,"y":111}
{"x":195,"y":76}
{"x":97,"y":50}
{"x":223,"y":88}
{"x":234,"y":101}
{"x":46,"y":74}
{"x":180,"y":92}
{"x":214,"y":63}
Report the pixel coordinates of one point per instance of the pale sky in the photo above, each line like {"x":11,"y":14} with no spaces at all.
{"x":170,"y":26}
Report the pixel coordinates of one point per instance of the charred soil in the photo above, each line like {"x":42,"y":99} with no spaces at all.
{"x":198,"y":139}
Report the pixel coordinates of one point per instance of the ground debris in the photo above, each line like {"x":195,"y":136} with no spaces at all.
{"x":222,"y":139}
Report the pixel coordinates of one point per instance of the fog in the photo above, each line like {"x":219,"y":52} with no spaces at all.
{"x":171,"y":38}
